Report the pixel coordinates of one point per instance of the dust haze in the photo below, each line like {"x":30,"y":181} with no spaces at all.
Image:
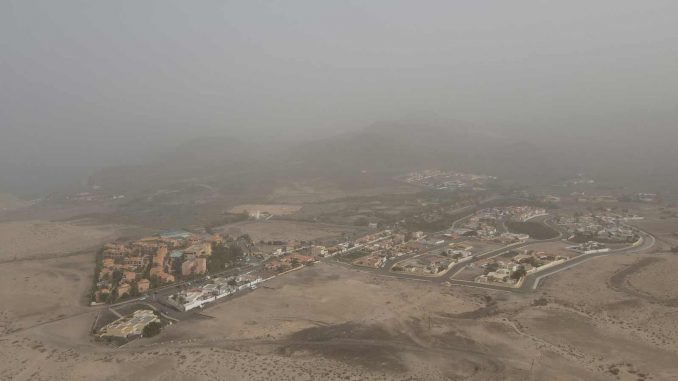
{"x":343,"y":190}
{"x":91,"y":85}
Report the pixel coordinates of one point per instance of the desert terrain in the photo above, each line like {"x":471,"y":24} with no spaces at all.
{"x":326,"y":321}
{"x":275,"y":230}
{"x":614,"y":318}
{"x":9,"y":202}
{"x":275,"y":209}
{"x":45,"y":238}
{"x":323,"y":191}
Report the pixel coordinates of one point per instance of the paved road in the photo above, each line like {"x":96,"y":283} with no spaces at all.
{"x":530,"y":283}
{"x":386,"y":270}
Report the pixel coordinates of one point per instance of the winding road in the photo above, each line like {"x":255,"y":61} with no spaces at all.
{"x":529,"y":284}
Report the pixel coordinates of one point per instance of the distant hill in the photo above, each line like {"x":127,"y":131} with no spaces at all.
{"x":403,"y":146}
{"x":210,"y":159}
{"x":519,"y":155}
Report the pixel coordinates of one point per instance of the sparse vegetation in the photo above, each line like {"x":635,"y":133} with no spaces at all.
{"x":518,"y":273}
{"x":152,"y":329}
{"x":535,"y":230}
{"x":540,"y":302}
{"x":223,"y":255}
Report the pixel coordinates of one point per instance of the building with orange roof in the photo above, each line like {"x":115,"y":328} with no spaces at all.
{"x":143,"y":285}
{"x":299,"y":257}
{"x":159,"y":257}
{"x":129,"y":276}
{"x":273,"y":264}
{"x":194,"y":266}
{"x":203,"y":249}
{"x":104,"y":272}
{"x":115,"y":250}
{"x":123,"y":288}
{"x":159,"y":273}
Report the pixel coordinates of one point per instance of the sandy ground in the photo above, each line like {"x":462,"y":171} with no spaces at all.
{"x":657,"y":278}
{"x":275,"y":209}
{"x":40,"y":238}
{"x":613,"y":318}
{"x":604,"y":320}
{"x":323,"y":191}
{"x":10,"y":202}
{"x":285,"y":230}
{"x":329,"y":322}
{"x":665,"y":230}
{"x":38,"y":291}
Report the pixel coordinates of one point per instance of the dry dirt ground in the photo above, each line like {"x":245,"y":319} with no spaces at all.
{"x":275,"y":209}
{"x":37,"y":291}
{"x":9,"y":202}
{"x":41,"y":238}
{"x":596,"y":322}
{"x":274,"y":230}
{"x":665,"y":230}
{"x":322,"y":191}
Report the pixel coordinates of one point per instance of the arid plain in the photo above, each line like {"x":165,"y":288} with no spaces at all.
{"x":616,"y":318}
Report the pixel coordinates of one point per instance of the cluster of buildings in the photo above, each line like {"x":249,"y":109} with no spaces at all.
{"x":459,"y":250}
{"x":648,"y":198}
{"x":448,"y":180}
{"x":604,"y":227}
{"x":129,"y":327}
{"x":435,"y":263}
{"x":288,"y":262}
{"x":521,"y":264}
{"x":215,"y":289}
{"x":590,"y":247}
{"x":93,"y":193}
{"x":651,"y":198}
{"x":132,"y":268}
{"x":579,"y":179}
{"x":378,"y":252}
{"x":502,"y":274}
{"x":594,"y":198}
{"x":428,"y":264}
{"x":283,"y":260}
{"x":359,"y":243}
{"x":487,"y":224}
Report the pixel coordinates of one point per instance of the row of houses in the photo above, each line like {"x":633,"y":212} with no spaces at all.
{"x":216,"y":289}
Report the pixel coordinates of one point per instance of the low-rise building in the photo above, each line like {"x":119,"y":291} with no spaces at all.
{"x":104,"y":273}
{"x":162,"y":276}
{"x":159,"y":257}
{"x":203,"y":249}
{"x":143,"y":285}
{"x":129,"y":326}
{"x":135,"y":261}
{"x":108,"y":262}
{"x":123,"y":289}
{"x":318,"y":251}
{"x":194,"y":266}
{"x":129,"y":276}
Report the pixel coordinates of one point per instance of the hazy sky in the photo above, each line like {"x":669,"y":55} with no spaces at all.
{"x":93,"y":83}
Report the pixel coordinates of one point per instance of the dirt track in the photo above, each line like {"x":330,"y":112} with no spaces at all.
{"x":619,"y":282}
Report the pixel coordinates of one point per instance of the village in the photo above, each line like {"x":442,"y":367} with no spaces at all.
{"x":448,"y":180}
{"x":489,"y":224}
{"x":184,"y":270}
